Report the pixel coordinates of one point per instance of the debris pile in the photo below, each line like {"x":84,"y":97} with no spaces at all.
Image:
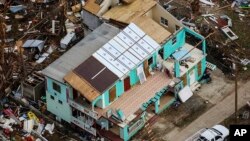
{"x":33,"y":33}
{"x":221,"y":18}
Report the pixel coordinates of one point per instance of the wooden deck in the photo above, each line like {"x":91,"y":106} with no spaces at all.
{"x":132,"y":100}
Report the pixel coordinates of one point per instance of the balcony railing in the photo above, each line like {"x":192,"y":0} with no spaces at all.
{"x":135,"y":126}
{"x":83,"y":125}
{"x":83,"y":109}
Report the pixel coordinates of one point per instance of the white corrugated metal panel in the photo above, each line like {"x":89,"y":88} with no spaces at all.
{"x":111,"y":60}
{"x":121,"y":42}
{"x":116,"y":45}
{"x":131,"y":57}
{"x":120,"y":66}
{"x":137,"y":30}
{"x":140,"y":51}
{"x":132,"y":51}
{"x":132,"y":34}
{"x":105,"y":55}
{"x":111,"y":50}
{"x":125,"y":39}
{"x":108,"y":65}
{"x":126,"y":62}
{"x":146,"y":46}
{"x":151,"y":42}
{"x":126,"y":50}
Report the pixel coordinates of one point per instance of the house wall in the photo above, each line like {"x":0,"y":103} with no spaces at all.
{"x":203,"y":61}
{"x":103,"y":100}
{"x":99,"y":102}
{"x":188,"y":74}
{"x":63,"y":110}
{"x":169,"y":48}
{"x":125,"y":135}
{"x":133,"y":77}
{"x":119,"y":88}
{"x":158,"y":12}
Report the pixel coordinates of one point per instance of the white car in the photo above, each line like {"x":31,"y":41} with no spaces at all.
{"x":216,"y":133}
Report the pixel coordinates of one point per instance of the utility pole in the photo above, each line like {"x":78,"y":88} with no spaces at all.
{"x":236,"y":89}
{"x":234,"y":65}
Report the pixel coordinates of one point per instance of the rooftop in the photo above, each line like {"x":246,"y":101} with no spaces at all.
{"x":111,"y":62}
{"x":153,"y":29}
{"x":80,"y":52}
{"x":127,"y":12}
{"x":91,"y":6}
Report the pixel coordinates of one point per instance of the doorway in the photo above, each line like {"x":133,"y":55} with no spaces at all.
{"x":192,"y":76}
{"x":112,"y":94}
{"x":127,"y":85}
{"x":146,"y":68}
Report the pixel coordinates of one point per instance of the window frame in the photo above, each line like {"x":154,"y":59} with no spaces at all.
{"x":164,"y":21}
{"x":174,"y":40}
{"x":150,"y":60}
{"x":56,"y":87}
{"x":60,"y":102}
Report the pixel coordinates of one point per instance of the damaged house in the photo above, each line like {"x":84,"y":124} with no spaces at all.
{"x":114,"y":80}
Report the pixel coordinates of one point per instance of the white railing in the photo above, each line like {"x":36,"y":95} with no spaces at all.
{"x":83,"y":109}
{"x":83,"y":125}
{"x":135,"y":126}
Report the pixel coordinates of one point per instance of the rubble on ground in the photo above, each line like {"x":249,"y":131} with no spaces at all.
{"x":33,"y":33}
{"x":223,"y":19}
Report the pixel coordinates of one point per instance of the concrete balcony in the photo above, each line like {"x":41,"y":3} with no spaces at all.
{"x":83,"y":125}
{"x":82,"y":108}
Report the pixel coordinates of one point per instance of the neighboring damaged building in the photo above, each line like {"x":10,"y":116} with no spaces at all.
{"x":89,"y":13}
{"x":132,"y":75}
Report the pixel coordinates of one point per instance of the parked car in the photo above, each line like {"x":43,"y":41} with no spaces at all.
{"x":216,"y":133}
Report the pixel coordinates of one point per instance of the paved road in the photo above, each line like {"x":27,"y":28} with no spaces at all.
{"x":215,"y":115}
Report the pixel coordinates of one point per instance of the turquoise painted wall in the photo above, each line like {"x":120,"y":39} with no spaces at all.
{"x":99,"y":101}
{"x":203,"y":66}
{"x":133,"y":77}
{"x":177,"y":69}
{"x":63,"y":110}
{"x":124,"y":131}
{"x":169,"y":48}
{"x":106,"y":98}
{"x":158,"y":111}
{"x":62,"y":96}
{"x":119,"y":88}
{"x":154,"y":60}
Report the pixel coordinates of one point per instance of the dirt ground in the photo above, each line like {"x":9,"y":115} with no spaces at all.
{"x":243,"y":117}
{"x":216,"y":91}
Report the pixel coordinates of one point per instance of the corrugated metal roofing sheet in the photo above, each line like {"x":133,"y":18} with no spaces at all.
{"x":132,"y":44}
{"x":80,"y":52}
